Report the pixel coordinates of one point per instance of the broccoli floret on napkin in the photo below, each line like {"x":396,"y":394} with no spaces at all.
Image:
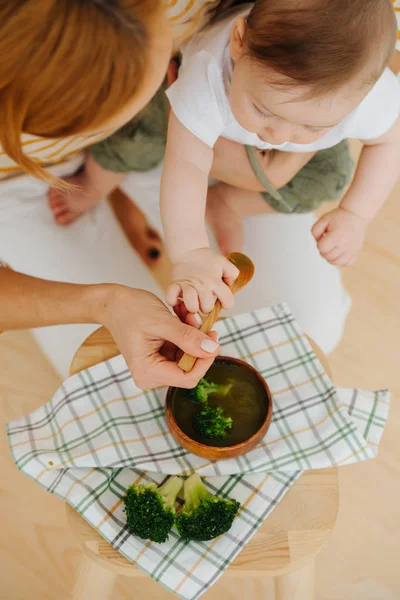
{"x":150,"y":510}
{"x":204,"y":516}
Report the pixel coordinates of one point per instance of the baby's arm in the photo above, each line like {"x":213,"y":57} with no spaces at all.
{"x":199,"y":275}
{"x":377,"y":172}
{"x":340,"y":233}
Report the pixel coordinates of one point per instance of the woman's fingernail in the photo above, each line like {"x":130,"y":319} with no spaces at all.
{"x":209,"y":346}
{"x":198,"y":318}
{"x":216,"y":336}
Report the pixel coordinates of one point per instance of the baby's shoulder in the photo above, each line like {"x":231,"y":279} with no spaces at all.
{"x":378,"y":110}
{"x":198,"y":98}
{"x":202,"y":75}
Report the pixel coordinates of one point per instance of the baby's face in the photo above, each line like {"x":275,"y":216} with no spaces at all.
{"x":279,"y":114}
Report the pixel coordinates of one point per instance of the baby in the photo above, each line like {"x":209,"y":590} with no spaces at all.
{"x":283,"y":75}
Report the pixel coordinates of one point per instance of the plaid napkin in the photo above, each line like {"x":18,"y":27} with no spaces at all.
{"x":100,"y":433}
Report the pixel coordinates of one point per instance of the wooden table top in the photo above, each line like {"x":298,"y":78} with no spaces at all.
{"x":290,"y":537}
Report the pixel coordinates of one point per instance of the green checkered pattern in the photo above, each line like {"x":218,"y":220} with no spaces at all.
{"x":100,"y":433}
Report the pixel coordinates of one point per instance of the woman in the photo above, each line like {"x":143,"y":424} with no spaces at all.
{"x":120,"y":53}
{"x":65,"y":86}
{"x":146,"y":332}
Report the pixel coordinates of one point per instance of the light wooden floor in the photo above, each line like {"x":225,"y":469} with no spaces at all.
{"x":38,"y":557}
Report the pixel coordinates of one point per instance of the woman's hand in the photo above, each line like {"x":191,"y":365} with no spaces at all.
{"x":152,"y":340}
{"x":148,"y":335}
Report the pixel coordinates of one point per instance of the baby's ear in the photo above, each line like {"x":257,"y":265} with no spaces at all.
{"x":237,"y":35}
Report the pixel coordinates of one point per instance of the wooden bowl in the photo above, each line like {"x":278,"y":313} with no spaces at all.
{"x":217,"y":452}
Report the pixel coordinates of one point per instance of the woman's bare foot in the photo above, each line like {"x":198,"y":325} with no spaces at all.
{"x":226,"y":223}
{"x":68,"y":205}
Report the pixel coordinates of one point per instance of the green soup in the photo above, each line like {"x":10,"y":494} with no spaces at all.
{"x":246,"y":403}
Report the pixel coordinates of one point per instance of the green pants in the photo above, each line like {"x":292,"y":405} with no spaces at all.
{"x":323,"y":178}
{"x":140,"y":146}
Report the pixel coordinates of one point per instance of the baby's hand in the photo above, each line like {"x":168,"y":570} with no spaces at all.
{"x":199,"y":278}
{"x":340,"y":235}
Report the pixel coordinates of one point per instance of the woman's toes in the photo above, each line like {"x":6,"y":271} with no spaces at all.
{"x":59,"y":210}
{"x":55,"y":202}
{"x":65,"y":218}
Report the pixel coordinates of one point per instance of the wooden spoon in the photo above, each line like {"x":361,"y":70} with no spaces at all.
{"x":246,"y":272}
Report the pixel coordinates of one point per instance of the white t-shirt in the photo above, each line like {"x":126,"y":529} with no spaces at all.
{"x":199,"y":98}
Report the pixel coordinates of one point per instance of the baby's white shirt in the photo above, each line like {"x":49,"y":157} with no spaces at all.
{"x":199,"y":98}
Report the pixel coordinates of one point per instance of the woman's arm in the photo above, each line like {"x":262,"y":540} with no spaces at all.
{"x":27,"y":302}
{"x":147,"y":334}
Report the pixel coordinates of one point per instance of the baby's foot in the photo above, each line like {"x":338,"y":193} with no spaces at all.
{"x":225,"y":222}
{"x":68,"y":205}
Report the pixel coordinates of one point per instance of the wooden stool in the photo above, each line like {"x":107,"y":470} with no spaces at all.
{"x":284,"y":547}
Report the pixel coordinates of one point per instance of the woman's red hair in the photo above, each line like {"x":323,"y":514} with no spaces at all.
{"x":68,"y":66}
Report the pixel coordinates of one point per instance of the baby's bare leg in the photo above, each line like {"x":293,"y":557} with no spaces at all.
{"x":226,"y":208}
{"x":228,"y":203}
